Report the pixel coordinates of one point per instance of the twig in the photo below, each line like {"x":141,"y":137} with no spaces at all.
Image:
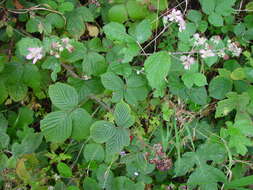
{"x":104,"y":105}
{"x":71,"y":72}
{"x":186,"y":6}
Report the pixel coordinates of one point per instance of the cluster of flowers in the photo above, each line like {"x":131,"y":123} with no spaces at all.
{"x":201,"y":45}
{"x":58,"y":47}
{"x":37,"y":53}
{"x":177,"y":17}
{"x":206,"y":48}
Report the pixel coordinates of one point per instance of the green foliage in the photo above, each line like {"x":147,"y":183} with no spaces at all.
{"x":157,"y":67}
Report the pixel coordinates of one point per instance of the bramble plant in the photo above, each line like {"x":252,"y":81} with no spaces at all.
{"x":126,"y":95}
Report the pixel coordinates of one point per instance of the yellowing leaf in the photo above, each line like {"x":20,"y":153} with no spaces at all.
{"x":22,"y":171}
{"x":93,"y":30}
{"x":238,"y":74}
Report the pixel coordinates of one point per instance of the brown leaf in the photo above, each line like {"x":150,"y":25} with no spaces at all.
{"x":18,"y":5}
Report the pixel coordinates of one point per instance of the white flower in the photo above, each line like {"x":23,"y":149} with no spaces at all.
{"x":140,"y":71}
{"x":57,"y":55}
{"x":136,"y":173}
{"x":181,"y":25}
{"x":56,"y":177}
{"x":50,"y":188}
{"x":67,"y":45}
{"x":187,"y":61}
{"x":70,"y":48}
{"x":234,"y":49}
{"x":65,"y":40}
{"x":198,"y":41}
{"x":204,"y":53}
{"x":221,"y":53}
{"x":35,"y":54}
{"x":56,"y":45}
{"x":122,"y":153}
{"x":86,"y":77}
{"x":177,"y":17}
{"x":216,"y":39}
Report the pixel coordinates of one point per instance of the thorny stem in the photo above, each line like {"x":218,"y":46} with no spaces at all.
{"x":34,"y":8}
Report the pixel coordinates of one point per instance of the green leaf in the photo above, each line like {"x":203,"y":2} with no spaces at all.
{"x":17,"y":91}
{"x":215,"y":19}
{"x":64,"y":170}
{"x":75,"y":25}
{"x":102,"y":131}
{"x":56,"y":126}
{"x":194,"y":15}
{"x":129,"y":52}
{"x":161,"y":4}
{"x":38,"y":24}
{"x":199,"y":79}
{"x":184,"y":164}
{"x":85,"y":13}
{"x":233,"y":101}
{"x":66,"y":7}
{"x":237,"y":139}
{"x":206,"y":177}
{"x":31,"y":76}
{"x":244,"y":181}
{"x":143,"y":31}
{"x":157,"y":67}
{"x":116,"y":32}
{"x":123,"y":182}
{"x":194,"y":78}
{"x":104,"y":176}
{"x":238,"y":74}
{"x":118,"y":13}
{"x":90,"y":183}
{"x":3,"y":92}
{"x":28,"y":145}
{"x":94,"y":152}
{"x":118,"y":141}
{"x":53,"y":64}
{"x":80,"y":51}
{"x":219,"y":87}
{"x":25,"y":117}
{"x":94,"y":64}
{"x":198,"y":95}
{"x":63,"y":96}
{"x":122,"y":115}
{"x":4,"y":140}
{"x":208,"y":6}
{"x":55,"y":20}
{"x":224,"y":7}
{"x":136,"y":10}
{"x":136,"y":89}
{"x":25,"y":43}
{"x":112,"y":81}
{"x":249,"y":6}
{"x":81,"y":123}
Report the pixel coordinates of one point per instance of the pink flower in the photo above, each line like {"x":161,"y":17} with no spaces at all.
{"x":199,"y":40}
{"x":35,"y":54}
{"x":204,"y":53}
{"x":187,"y":61}
{"x":234,"y":48}
{"x":177,"y":17}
